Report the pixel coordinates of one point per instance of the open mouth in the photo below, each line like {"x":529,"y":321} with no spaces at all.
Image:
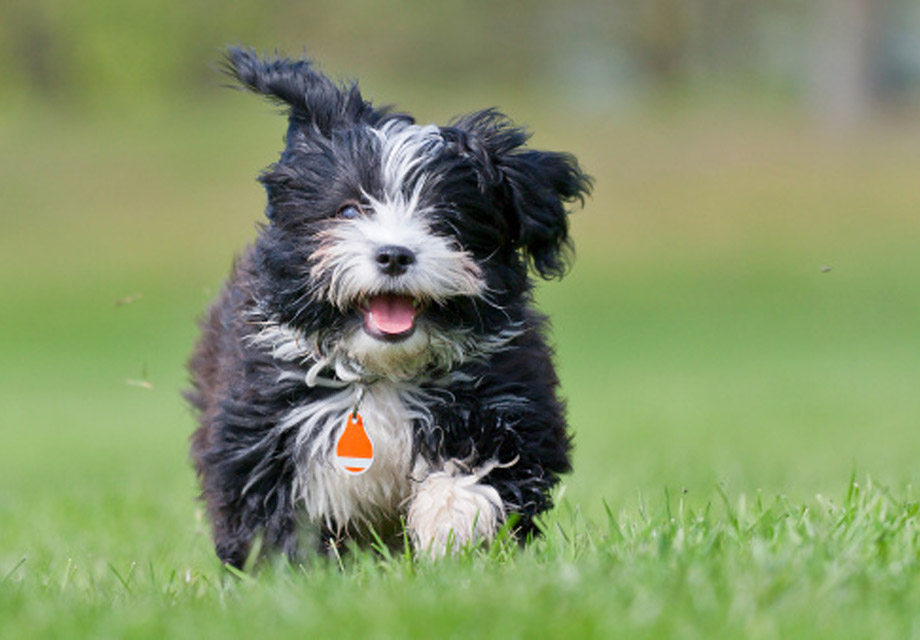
{"x":389,"y":316}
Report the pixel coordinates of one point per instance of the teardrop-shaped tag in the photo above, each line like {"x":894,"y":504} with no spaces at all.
{"x":354,"y":451}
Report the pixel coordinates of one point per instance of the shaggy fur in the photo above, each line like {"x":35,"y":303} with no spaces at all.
{"x":391,"y":279}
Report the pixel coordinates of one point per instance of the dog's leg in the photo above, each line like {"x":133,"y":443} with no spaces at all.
{"x":232,"y":540}
{"x":266,"y":520}
{"x":450,"y":508}
{"x":246,"y":489}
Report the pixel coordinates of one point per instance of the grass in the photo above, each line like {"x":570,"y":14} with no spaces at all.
{"x":757,"y":568}
{"x":722,"y":385}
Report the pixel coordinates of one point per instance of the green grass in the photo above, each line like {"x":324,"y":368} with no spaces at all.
{"x":757,"y":568}
{"x":719,"y":384}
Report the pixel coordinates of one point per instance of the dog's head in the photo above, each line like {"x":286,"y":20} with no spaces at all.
{"x":399,"y":248}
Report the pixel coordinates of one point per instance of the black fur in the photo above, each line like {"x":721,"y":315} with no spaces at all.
{"x":503,"y":204}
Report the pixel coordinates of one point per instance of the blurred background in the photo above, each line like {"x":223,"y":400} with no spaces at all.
{"x":745,"y":304}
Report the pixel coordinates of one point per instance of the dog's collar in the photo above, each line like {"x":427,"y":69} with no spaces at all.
{"x":343,"y":375}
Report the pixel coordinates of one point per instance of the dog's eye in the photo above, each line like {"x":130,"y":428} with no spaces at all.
{"x":349,"y":211}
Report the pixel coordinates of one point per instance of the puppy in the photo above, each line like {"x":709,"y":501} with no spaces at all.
{"x":374,"y":361}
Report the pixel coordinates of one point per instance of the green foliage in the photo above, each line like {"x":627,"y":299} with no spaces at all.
{"x":123,"y":54}
{"x":100,"y":55}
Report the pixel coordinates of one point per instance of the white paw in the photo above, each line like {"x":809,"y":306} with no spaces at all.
{"x":449,"y":509}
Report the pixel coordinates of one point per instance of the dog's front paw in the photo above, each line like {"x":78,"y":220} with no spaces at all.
{"x":450,"y":509}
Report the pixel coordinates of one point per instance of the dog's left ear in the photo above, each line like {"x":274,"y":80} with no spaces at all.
{"x":533,"y":187}
{"x":316,"y":103}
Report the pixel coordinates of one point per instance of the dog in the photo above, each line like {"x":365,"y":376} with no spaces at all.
{"x":374,"y":365}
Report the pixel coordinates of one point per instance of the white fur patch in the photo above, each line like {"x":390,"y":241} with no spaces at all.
{"x":404,"y":150}
{"x":450,"y":508}
{"x":345,"y":266}
{"x":325,"y":491}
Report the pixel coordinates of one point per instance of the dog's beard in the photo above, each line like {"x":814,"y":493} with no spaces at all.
{"x":395,"y":360}
{"x":352,"y":355}
{"x":345,"y":274}
{"x":377,"y":327}
{"x":387,"y":332}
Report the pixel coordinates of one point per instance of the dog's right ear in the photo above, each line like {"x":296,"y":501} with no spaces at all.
{"x":314,"y":100}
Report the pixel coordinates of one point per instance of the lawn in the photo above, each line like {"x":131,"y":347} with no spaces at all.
{"x":738,"y":343}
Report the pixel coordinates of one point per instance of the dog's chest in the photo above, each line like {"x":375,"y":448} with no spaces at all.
{"x":328,"y":492}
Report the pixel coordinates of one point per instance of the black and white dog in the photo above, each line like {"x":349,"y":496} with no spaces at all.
{"x":375,"y":359}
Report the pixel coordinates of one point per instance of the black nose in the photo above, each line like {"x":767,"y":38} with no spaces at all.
{"x":394,"y":260}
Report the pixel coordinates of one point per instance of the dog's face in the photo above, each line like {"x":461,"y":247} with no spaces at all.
{"x":398,"y":248}
{"x":385,"y":249}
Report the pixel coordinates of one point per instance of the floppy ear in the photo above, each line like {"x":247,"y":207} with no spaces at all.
{"x":533,"y":187}
{"x":315,"y":101}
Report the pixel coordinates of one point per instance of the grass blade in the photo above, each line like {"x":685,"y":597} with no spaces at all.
{"x":15,"y":568}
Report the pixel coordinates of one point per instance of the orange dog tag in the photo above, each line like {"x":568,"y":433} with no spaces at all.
{"x":354,"y":452}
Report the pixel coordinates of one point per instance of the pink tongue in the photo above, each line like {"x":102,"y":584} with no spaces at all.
{"x":391,"y":314}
